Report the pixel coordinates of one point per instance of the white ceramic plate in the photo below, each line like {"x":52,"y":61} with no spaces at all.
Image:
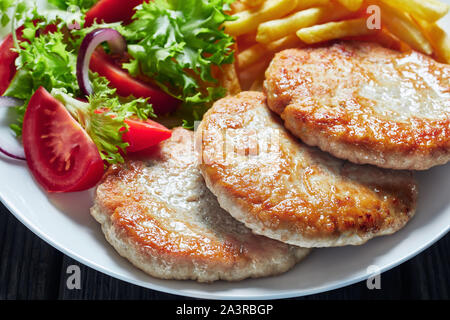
{"x":64,"y":222}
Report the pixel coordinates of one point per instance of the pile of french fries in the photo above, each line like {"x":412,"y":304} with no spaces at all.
{"x":264,"y":27}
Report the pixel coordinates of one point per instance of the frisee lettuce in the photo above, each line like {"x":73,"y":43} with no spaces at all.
{"x":48,"y":59}
{"x":5,"y":5}
{"x":43,"y":61}
{"x":106,"y":128}
{"x":83,"y":5}
{"x":176,"y":43}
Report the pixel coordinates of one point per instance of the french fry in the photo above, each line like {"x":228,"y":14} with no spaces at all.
{"x":385,"y":38}
{"x":428,"y":10}
{"x":306,"y":4}
{"x":246,"y":41}
{"x":256,"y":71}
{"x":334,"y":30}
{"x":251,"y":55}
{"x":439,"y":40}
{"x":352,"y":5}
{"x":238,"y":6}
{"x":253,"y":3}
{"x":388,"y":40}
{"x":229,"y":79}
{"x":248,"y":21}
{"x":290,"y":41}
{"x":276,"y":29}
{"x":258,"y":84}
{"x":268,"y":26}
{"x":259,"y":51}
{"x":402,"y":26}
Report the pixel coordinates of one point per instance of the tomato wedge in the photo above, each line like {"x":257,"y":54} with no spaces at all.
{"x":112,"y":11}
{"x":143,"y":134}
{"x":126,"y":85}
{"x":60,"y":154}
{"x":7,"y":66}
{"x":7,"y":60}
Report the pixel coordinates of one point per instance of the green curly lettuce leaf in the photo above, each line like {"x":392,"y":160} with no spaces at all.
{"x":105,"y":128}
{"x":5,"y":5}
{"x":48,"y":59}
{"x":46,"y":62}
{"x":176,"y":43}
{"x":84,"y":5}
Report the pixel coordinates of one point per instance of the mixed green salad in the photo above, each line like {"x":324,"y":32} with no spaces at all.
{"x":85,"y":78}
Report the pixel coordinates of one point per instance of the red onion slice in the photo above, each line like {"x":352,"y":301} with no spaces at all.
{"x":116,"y":43}
{"x":14,"y":153}
{"x":9,"y":145}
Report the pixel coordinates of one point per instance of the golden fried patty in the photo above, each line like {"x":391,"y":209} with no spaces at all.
{"x":285,"y":190}
{"x":159,"y":214}
{"x":364,"y":103}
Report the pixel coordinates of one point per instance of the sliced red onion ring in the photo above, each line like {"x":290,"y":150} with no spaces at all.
{"x":116,"y":43}
{"x":15,"y":153}
{"x":9,"y":145}
{"x":7,"y":102}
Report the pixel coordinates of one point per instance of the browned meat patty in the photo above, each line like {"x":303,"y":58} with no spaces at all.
{"x":285,"y":190}
{"x":365,"y":103}
{"x":160,"y":215}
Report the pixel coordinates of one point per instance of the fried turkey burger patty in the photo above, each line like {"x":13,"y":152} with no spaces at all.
{"x":364,"y":103}
{"x":283,"y":189}
{"x":159,"y":214}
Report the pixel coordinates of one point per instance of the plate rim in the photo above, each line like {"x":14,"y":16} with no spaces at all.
{"x":212,"y":295}
{"x":209,"y":295}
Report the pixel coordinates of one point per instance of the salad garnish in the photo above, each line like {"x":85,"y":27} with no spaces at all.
{"x":176,"y":43}
{"x":168,"y":52}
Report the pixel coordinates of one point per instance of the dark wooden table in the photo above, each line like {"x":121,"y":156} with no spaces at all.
{"x":32,"y":269}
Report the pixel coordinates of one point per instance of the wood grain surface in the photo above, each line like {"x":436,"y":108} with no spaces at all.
{"x":32,"y":269}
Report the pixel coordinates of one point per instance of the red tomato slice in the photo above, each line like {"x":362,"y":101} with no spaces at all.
{"x":8,"y":59}
{"x":126,"y":85}
{"x":60,"y":154}
{"x":7,"y":66}
{"x":112,"y":11}
{"x":142,"y":134}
